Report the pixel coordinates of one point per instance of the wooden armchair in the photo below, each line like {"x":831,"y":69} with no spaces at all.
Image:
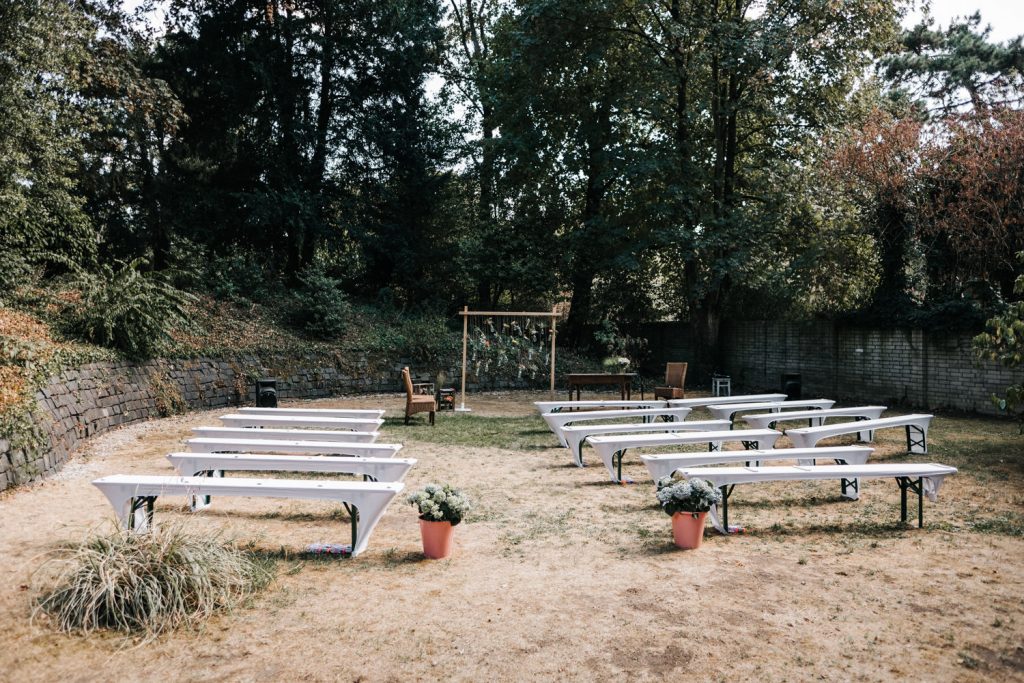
{"x":415,"y":400}
{"x":675,"y":379}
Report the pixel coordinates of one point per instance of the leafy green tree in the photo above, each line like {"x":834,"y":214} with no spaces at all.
{"x":742,"y":97}
{"x":569,"y":144}
{"x":42,"y":218}
{"x":948,"y":70}
{"x":1004,"y":342}
{"x":133,"y":119}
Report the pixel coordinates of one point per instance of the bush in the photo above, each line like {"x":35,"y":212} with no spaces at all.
{"x":147,"y":583}
{"x":319,"y":306}
{"x":127,"y":309}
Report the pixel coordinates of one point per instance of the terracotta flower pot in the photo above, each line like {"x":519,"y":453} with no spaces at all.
{"x":688,"y":529}
{"x":437,"y":538}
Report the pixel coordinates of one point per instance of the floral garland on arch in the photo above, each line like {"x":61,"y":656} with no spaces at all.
{"x":509,"y":350}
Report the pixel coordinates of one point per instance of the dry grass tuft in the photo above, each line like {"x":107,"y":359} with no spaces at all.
{"x":147,"y":583}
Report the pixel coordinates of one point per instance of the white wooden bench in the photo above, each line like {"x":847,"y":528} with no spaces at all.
{"x":286,"y":434}
{"x":363,"y":413}
{"x":359,"y":424}
{"x":576,"y":435}
{"x":723,"y":400}
{"x":132,"y":494}
{"x":559,"y":421}
{"x":922,"y":479}
{"x":372,"y":469}
{"x":558,"y":406}
{"x":815,"y":418}
{"x":663,"y":464}
{"x":366,"y":450}
{"x":612,"y":449}
{"x":916,"y":427}
{"x":728,"y":411}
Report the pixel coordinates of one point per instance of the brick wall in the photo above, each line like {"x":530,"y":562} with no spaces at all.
{"x":908,"y":368}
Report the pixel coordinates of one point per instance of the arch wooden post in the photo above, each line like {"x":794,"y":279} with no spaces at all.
{"x":465,"y":336}
{"x":554,"y":320}
{"x":465,"y":313}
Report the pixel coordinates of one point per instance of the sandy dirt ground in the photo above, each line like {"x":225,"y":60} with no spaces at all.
{"x":558,"y":574}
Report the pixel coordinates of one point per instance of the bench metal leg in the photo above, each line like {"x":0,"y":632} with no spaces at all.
{"x":145,"y":505}
{"x":353,"y":515}
{"x":617,"y":457}
{"x":850,"y":488}
{"x":726,"y":491}
{"x":916,"y":439}
{"x":917,"y":486}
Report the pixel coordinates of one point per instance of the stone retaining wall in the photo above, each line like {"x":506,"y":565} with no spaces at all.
{"x":89,"y":400}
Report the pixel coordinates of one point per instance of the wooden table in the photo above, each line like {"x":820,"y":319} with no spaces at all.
{"x":624,"y":380}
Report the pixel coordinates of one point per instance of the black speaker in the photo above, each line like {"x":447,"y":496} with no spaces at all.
{"x":790,"y":385}
{"x":266,"y":393}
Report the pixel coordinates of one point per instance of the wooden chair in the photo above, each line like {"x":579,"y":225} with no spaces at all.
{"x":675,"y":379}
{"x":415,"y":401}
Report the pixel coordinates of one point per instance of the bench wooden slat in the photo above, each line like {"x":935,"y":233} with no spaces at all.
{"x":127,"y":493}
{"x":766,"y":420}
{"x":285,"y":434}
{"x":210,"y":445}
{"x":361,"y":424}
{"x":379,"y":469}
{"x":663,"y":464}
{"x":916,"y":426}
{"x":723,"y":400}
{"x":728,"y":411}
{"x":557,"y":422}
{"x":559,"y":406}
{"x":576,"y":436}
{"x":612,"y":449}
{"x":928,"y":476}
{"x":373,"y":414}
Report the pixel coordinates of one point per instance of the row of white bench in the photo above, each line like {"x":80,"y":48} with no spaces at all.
{"x":234,"y":448}
{"x":574,"y":424}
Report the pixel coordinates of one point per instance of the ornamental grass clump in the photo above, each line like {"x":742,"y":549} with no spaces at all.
{"x":686,"y":495}
{"x":146,"y":583}
{"x":437,"y":503}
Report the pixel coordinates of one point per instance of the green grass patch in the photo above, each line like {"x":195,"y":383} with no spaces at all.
{"x":528,"y":433}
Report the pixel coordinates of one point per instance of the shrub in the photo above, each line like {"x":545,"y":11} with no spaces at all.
{"x":319,"y":306}
{"x":147,"y":583}
{"x":127,"y":309}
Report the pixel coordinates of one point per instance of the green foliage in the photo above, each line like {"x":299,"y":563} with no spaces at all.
{"x":677,"y":494}
{"x":237,"y":277}
{"x":437,"y":503}
{"x":1003,"y":341}
{"x":319,"y":306}
{"x":127,"y":309}
{"x":41,"y":210}
{"x":146,"y":583}
{"x":418,"y":337}
{"x":513,"y":349}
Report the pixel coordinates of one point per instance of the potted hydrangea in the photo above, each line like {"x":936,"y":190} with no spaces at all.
{"x":440,"y":508}
{"x":687,"y":501}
